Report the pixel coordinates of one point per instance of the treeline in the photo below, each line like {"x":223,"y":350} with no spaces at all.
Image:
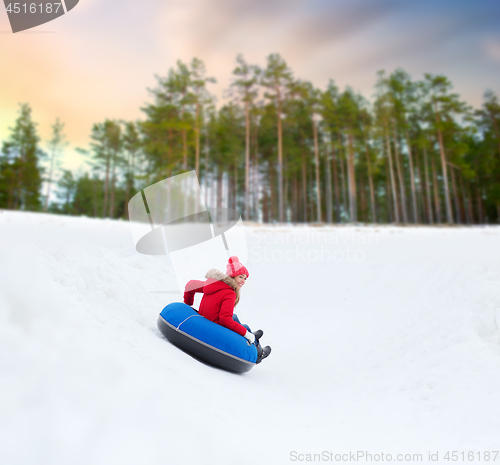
{"x":280,"y":149}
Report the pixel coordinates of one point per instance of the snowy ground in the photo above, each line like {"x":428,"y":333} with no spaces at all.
{"x":385,"y":340}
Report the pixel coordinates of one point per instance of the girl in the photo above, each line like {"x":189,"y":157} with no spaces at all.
{"x":221,"y":294}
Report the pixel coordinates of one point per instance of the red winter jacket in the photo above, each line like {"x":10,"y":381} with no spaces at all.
{"x":217,"y":304}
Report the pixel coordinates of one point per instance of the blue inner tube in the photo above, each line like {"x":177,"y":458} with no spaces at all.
{"x":209,"y":342}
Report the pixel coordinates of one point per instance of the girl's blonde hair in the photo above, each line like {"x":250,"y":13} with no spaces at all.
{"x":237,"y":290}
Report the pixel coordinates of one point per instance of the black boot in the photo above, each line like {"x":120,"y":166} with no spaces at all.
{"x":258,"y":334}
{"x":263,"y":353}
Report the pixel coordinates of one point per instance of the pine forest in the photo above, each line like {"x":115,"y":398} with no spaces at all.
{"x":277,"y":149}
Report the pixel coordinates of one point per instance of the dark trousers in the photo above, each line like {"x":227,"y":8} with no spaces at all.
{"x":235,"y":318}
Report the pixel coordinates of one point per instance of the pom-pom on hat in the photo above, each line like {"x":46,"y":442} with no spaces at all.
{"x":235,"y":268}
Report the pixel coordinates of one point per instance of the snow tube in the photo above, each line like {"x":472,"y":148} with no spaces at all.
{"x":205,"y":340}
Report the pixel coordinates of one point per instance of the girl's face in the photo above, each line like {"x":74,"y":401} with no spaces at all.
{"x":240,"y":279}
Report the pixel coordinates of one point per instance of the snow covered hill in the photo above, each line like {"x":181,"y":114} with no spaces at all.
{"x":385,"y":340}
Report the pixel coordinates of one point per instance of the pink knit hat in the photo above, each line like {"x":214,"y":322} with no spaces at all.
{"x":235,"y":268}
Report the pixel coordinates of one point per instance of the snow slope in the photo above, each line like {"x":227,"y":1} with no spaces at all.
{"x":384,"y":339}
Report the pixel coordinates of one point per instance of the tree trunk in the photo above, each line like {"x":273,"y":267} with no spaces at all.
{"x":343,"y":170}
{"x":388,"y":195}
{"x":170,"y":149}
{"x":184,"y":138}
{"x":219,"y":192}
{"x":250,"y":188}
{"x":297,"y":198}
{"x":412,"y":180}
{"x":197,"y":140}
{"x":66,"y":204}
{"x":391,"y":172}
{"x":266,"y":214}
{"x":51,"y":169}
{"x":352,"y":181}
{"x":400,"y":177}
{"x":362,"y":200}
{"x":231,"y":181}
{"x":465,"y":201}
{"x":285,"y":193}
{"x":449,"y":215}
{"x":469,"y":203}
{"x":421,"y":207}
{"x":205,"y":174}
{"x":18,"y":198}
{"x":335,"y":183}
{"x":256,"y":175}
{"x":316,"y":161}
{"x":127,"y":184}
{"x":273,"y":204}
{"x":132,"y":173}
{"x":94,"y":197}
{"x":10,"y":201}
{"x":436,"y":193}
{"x":458,"y":218}
{"x":328,"y":182}
{"x":214,"y":188}
{"x":370,"y":181}
{"x":106,"y":187}
{"x":280,"y":159}
{"x":164,"y":163}
{"x":479,"y":200}
{"x":427,"y":189}
{"x":112,"y":200}
{"x":247,"y":161}
{"x":304,"y":187}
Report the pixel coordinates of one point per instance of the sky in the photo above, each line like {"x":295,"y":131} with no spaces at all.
{"x":99,"y":60}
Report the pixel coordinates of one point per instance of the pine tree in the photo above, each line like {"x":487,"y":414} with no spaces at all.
{"x":349,"y":114}
{"x":20,"y":170}
{"x":441,"y":106}
{"x":200,"y":98}
{"x":383,"y":111}
{"x":331,"y":123}
{"x":132,"y":146}
{"x":246,"y":85}
{"x":55,"y":145}
{"x":66,"y":190}
{"x":277,"y":77}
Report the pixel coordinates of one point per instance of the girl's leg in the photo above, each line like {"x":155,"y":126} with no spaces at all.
{"x":235,"y":318}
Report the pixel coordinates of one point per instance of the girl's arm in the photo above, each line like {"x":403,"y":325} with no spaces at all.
{"x":192,"y":287}
{"x":226,"y":314}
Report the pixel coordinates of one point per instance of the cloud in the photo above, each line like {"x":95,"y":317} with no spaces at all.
{"x":325,"y":26}
{"x":491,"y":49}
{"x":212,"y":24}
{"x":425,"y":36}
{"x":105,"y":54}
